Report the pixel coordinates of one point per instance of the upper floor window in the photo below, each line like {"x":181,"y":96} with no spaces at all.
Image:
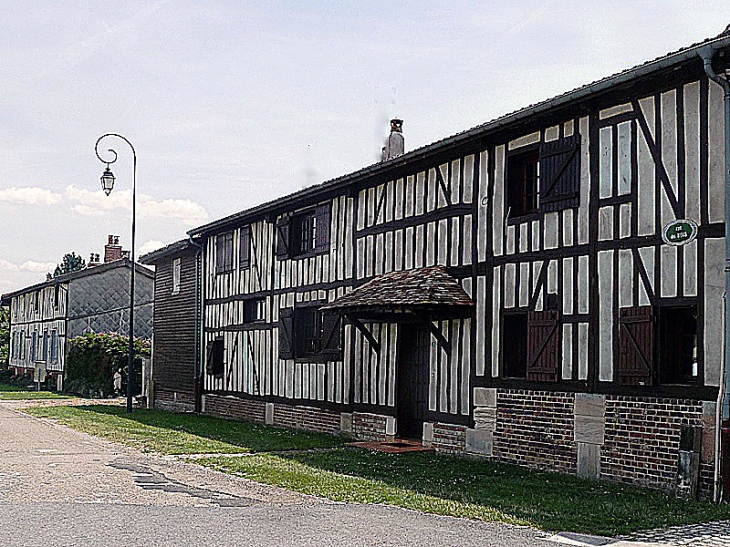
{"x":244,"y":253}
{"x":224,"y":252}
{"x":176,"y":276}
{"x":54,"y":346}
{"x":544,"y":179}
{"x":304,"y":233}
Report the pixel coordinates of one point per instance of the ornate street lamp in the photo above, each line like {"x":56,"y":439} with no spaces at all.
{"x":107,"y":184}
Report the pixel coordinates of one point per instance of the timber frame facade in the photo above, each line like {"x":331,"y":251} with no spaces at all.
{"x":590,"y":345}
{"x":45,"y":316}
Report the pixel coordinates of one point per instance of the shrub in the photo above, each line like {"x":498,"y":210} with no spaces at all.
{"x":93,"y":359}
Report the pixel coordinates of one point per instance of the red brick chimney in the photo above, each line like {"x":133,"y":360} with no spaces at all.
{"x":112,"y":250}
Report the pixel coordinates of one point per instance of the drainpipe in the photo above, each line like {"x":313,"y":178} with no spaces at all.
{"x":199,"y":301}
{"x":722,"y":438}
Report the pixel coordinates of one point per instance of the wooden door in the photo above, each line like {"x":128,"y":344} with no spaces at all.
{"x":412,"y":405}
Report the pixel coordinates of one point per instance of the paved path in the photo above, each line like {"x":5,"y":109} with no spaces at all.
{"x":59,"y":487}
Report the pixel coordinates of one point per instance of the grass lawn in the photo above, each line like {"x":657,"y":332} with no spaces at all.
{"x":424,"y":481}
{"x":172,"y":433}
{"x":8,"y":392}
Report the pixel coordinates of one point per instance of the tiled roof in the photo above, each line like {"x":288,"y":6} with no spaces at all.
{"x":423,"y":288}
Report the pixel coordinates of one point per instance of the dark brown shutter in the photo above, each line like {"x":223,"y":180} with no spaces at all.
{"x":560,"y":174}
{"x":286,"y":328}
{"x":244,"y":253}
{"x":214,"y":357}
{"x":331,"y":335}
{"x":283,"y":227}
{"x":322,"y":236}
{"x":636,"y":346}
{"x":543,"y":346}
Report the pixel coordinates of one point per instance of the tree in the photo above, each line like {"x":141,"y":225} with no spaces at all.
{"x":71,"y":262}
{"x":4,"y":336}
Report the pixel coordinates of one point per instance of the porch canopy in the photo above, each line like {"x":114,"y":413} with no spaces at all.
{"x":406,"y":296}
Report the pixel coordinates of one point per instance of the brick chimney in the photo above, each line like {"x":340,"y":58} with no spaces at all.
{"x":395,"y":145}
{"x":93,"y":260}
{"x":112,"y":250}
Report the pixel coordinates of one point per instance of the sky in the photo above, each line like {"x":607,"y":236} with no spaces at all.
{"x":230,"y":104}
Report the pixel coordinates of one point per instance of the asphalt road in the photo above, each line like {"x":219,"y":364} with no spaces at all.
{"x":59,"y":487}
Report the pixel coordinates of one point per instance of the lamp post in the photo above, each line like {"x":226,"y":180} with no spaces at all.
{"x":107,"y":184}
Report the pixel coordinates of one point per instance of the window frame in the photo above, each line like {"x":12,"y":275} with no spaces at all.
{"x":664,"y":339}
{"x":308,"y":325}
{"x":516,"y":178}
{"x":514,"y":314}
{"x":176,"y":275}
{"x":254,"y":310}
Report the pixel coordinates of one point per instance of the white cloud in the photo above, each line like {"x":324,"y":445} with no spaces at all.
{"x":8,"y":266}
{"x":29,"y":195}
{"x":27,"y":266}
{"x":149,"y":246}
{"x":32,"y":266}
{"x":97,"y":203}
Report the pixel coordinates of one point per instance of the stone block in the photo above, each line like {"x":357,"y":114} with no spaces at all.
{"x":346,"y":423}
{"x":485,"y":418}
{"x":589,"y":404}
{"x":202,"y":404}
{"x":269,"y":416}
{"x":589,"y":461}
{"x":390,"y":426}
{"x":479,"y":441}
{"x":427,"y":433}
{"x":485,"y":396}
{"x":590,"y":429}
{"x":709,"y":408}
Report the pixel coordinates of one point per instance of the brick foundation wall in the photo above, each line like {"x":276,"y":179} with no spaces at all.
{"x":449,"y":438}
{"x":369,"y":427}
{"x":174,"y":401}
{"x":234,"y":407}
{"x":309,"y":418}
{"x":535,"y":429}
{"x":642,"y":438}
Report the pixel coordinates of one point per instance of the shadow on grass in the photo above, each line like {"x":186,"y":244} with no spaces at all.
{"x":479,"y":488}
{"x":223,"y":435}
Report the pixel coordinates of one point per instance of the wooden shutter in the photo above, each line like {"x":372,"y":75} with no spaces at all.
{"x":331,"y":335}
{"x":244,"y":255}
{"x":560,"y":174}
{"x":286,"y":329}
{"x":214,"y":357}
{"x":322,"y":236}
{"x":283,"y":229}
{"x":543,"y":346}
{"x":636,"y":346}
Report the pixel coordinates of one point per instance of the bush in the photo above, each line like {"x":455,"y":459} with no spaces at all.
{"x":93,"y":359}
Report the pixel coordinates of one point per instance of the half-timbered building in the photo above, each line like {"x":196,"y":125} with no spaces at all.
{"x":545,"y":289}
{"x":45,"y":316}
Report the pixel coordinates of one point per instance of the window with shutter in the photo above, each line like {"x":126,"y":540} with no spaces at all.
{"x":286,"y":327}
{"x":254,"y":310}
{"x":636,"y":346}
{"x":543,"y":345}
{"x":283,"y":229}
{"x":244,"y":255}
{"x":560,"y":174}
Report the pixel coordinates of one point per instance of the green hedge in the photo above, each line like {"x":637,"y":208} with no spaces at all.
{"x":93,"y":359}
